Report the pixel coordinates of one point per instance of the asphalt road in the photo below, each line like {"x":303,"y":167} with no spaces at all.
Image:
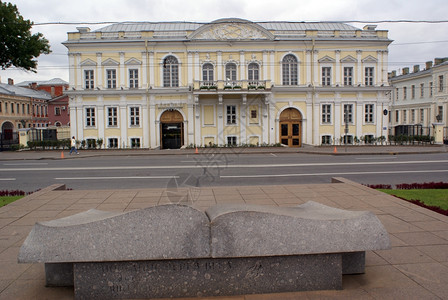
{"x":124,"y":172}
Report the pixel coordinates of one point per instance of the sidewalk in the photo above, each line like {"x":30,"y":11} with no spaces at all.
{"x":324,"y":150}
{"x":415,"y":268}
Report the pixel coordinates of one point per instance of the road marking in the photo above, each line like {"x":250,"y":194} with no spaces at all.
{"x":7,"y":179}
{"x":373,"y":158}
{"x":223,"y":166}
{"x":332,"y":174}
{"x":273,"y":155}
{"x":25,"y":164}
{"x":120,"y":177}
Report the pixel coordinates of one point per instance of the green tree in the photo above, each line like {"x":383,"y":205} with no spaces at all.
{"x":18,"y":47}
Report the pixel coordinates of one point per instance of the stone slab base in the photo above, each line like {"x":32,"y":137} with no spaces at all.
{"x":207,"y":277}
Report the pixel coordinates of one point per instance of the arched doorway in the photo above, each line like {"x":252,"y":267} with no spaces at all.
{"x":171,"y":130}
{"x":7,"y":131}
{"x":291,"y":127}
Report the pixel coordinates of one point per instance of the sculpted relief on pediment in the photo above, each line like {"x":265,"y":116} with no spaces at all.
{"x":232,"y":31}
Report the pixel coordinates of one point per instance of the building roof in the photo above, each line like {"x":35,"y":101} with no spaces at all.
{"x":189,"y":26}
{"x":54,"y":81}
{"x":14,"y":90}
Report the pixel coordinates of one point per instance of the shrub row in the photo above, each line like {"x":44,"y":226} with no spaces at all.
{"x":425,"y":185}
{"x":11,"y":193}
{"x":53,"y":144}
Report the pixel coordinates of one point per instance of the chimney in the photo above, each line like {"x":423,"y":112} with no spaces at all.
{"x":428,"y":65}
{"x":405,"y":71}
{"x":10,"y":81}
{"x":33,"y":85}
{"x":438,"y":61}
{"x":393,"y":74}
{"x":416,"y":68}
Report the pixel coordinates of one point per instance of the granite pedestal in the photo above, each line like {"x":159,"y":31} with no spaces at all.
{"x":177,"y":251}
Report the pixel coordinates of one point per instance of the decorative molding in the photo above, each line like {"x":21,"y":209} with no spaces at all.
{"x":110,"y":62}
{"x":348,"y":59}
{"x":232,"y":30}
{"x":369,"y":59}
{"x":133,"y":61}
{"x":326,"y":59}
{"x":88,"y":63}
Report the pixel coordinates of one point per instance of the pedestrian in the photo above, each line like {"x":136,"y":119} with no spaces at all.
{"x":73,"y":143}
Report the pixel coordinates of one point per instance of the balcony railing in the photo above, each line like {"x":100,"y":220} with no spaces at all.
{"x":230,"y":85}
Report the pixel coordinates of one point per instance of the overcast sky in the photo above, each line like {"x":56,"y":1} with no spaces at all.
{"x":414,"y":43}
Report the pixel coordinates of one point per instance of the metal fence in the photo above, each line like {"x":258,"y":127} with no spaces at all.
{"x":8,"y":140}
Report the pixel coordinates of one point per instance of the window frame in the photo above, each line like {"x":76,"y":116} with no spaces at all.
{"x":348,"y":78}
{"x":369,"y":113}
{"x":253,"y":72}
{"x":134,"y":116}
{"x":326,"y":76}
{"x":90,"y":118}
{"x":231,"y":116}
{"x":133,"y":78}
{"x":171,"y":70}
{"x":231,"y":71}
{"x":326,"y":114}
{"x":111,"y":78}
{"x":111,"y":118}
{"x":208,"y":72}
{"x":290,"y":70}
{"x":369,"y":76}
{"x":89,"y":79}
{"x":349,"y":113}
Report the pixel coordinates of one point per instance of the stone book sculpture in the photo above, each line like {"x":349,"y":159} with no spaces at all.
{"x":178,"y":251}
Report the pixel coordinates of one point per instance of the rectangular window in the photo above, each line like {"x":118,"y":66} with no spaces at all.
{"x":348,"y":139}
{"x":412,"y":91}
{"x":112,"y":116}
{"x":430,"y":89}
{"x":23,"y":109}
{"x":422,"y":116}
{"x":12,"y":108}
{"x":112,"y":143}
{"x":405,"y":116}
{"x":369,"y":76}
{"x":88,"y":79}
{"x":405,"y":93}
{"x":396,"y":93}
{"x":28,"y":109}
{"x":18,"y":108}
{"x":326,"y":76}
{"x":90,"y":117}
{"x":231,"y":141}
{"x":348,"y":113}
{"x":326,"y":140}
{"x":441,"y":83}
{"x":397,"y":116}
{"x":1,"y":105}
{"x":134,"y":116}
{"x":348,"y":75}
{"x":231,"y":114}
{"x":135,"y":142}
{"x":111,"y":79}
{"x":57,"y":111}
{"x":133,"y":78}
{"x":368,"y":116}
{"x":422,"y":90}
{"x":440,"y":113}
{"x":413,"y":116}
{"x":326,"y":113}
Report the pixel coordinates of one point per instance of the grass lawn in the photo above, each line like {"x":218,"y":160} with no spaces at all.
{"x":8,"y":199}
{"x":430,"y":197}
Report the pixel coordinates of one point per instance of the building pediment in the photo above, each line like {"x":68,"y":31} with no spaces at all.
{"x":110,"y":62}
{"x":370,"y":59}
{"x":348,"y":59}
{"x":231,"y":29}
{"x":327,"y":59}
{"x":88,"y":63}
{"x":133,"y":61}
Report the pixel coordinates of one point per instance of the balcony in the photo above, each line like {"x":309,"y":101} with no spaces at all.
{"x":255,"y":86}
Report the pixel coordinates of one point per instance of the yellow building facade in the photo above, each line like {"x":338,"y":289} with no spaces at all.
{"x":229,"y":82}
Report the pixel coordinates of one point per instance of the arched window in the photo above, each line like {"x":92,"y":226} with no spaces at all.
{"x":207,"y":73}
{"x":170,"y":72}
{"x":253,"y":70}
{"x":231,"y":72}
{"x":290,"y":70}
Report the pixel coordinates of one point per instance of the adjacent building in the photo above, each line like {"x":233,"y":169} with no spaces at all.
{"x":420,"y":98}
{"x":228,"y":82}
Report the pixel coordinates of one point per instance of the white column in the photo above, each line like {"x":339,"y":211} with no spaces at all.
{"x":338,"y":123}
{"x":145,"y":122}
{"x":219,"y":65}
{"x":308,"y":65}
{"x":308,"y":122}
{"x":384,"y":78}
{"x":197,"y":121}
{"x":359,"y":115}
{"x":220,"y":121}
{"x":315,"y":122}
{"x":273,"y":122}
{"x":377,"y":80}
{"x":79,"y":119}
{"x":151,"y":69}
{"x":190,"y":67}
{"x":359,"y":67}
{"x":242,"y":73}
{"x":99,"y":71}
{"x":191,"y":118}
{"x":72,"y":81}
{"x":100,"y":116}
{"x":196,"y":66}
{"x":144,"y":79}
{"x":265,"y":65}
{"x":243,"y":120}
{"x":152,"y":122}
{"x":315,"y":67}
{"x":73,"y":122}
{"x":77,"y":61}
{"x":338,"y":67}
{"x":379,"y":117}
{"x":272,"y":64}
{"x":265,"y":120}
{"x":122,"y":71}
{"x":123,"y":123}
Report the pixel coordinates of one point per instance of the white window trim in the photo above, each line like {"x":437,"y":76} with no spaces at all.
{"x":258,"y":116}
{"x":331,"y":114}
{"x":179,"y":71}
{"x":236,"y":115}
{"x":327,"y":65}
{"x":353,"y":113}
{"x":128,"y":70}
{"x":135,"y":137}
{"x":139,"y":116}
{"x":298,"y":68}
{"x":106,"y":141}
{"x":107,"y":68}
{"x":231,"y":135}
{"x":369,"y":65}
{"x":373,"y":114}
{"x":106,"y":117}
{"x":85,"y":117}
{"x":348,"y":65}
{"x":331,"y":137}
